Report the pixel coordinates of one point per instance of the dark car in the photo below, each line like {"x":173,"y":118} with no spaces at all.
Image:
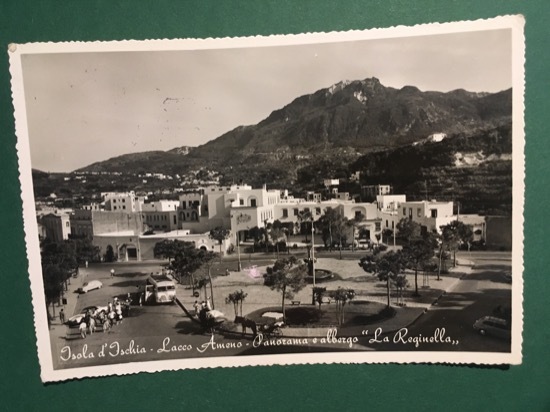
{"x":490,"y":325}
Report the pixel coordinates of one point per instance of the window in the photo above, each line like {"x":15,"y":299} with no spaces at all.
{"x":433,"y":212}
{"x":410,"y":213}
{"x":253,"y":202}
{"x":241,"y":202}
{"x":386,"y":223}
{"x":285,"y":212}
{"x":357,"y":213}
{"x":404,"y":211}
{"x":67,"y":224}
{"x":114,"y":207}
{"x":377,"y":226}
{"x":317,"y":210}
{"x":419,"y":212}
{"x":295,"y":212}
{"x":124,"y":207}
{"x":123,"y":200}
{"x":174,"y":219}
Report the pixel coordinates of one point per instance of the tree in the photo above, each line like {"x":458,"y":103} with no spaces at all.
{"x":190,"y":261}
{"x":168,"y":249}
{"x":386,"y":266}
{"x":387,"y":233}
{"x":54,"y":277}
{"x":318,"y":295}
{"x":286,"y":276}
{"x":354,"y":223}
{"x":110,"y":254}
{"x":342,"y":296}
{"x":334,"y":225}
{"x":326,"y":223}
{"x":407,"y":230}
{"x":276,"y":232}
{"x":305,"y":217}
{"x":453,"y":234}
{"x":62,"y":256}
{"x":85,"y":250}
{"x":256,"y":233}
{"x":237,"y":298}
{"x":400,"y":283}
{"x":220,"y":234}
{"x":417,"y":253}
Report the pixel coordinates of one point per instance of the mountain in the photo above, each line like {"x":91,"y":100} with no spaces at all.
{"x":454,"y":145}
{"x":182,"y":150}
{"x":364,"y":115}
{"x":171,"y":161}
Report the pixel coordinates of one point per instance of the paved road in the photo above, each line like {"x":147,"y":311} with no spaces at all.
{"x":151,"y":332}
{"x":476,"y":295}
{"x":160,"y":332}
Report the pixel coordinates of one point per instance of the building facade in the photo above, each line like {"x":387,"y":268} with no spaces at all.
{"x":241,"y":208}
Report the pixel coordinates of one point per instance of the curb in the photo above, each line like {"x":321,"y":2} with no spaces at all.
{"x":225,"y":332}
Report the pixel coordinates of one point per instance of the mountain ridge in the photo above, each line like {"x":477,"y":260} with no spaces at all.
{"x":351,"y":118}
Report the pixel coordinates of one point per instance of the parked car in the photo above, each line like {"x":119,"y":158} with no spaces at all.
{"x":91,"y":285}
{"x":77,"y":319}
{"x":490,"y":325}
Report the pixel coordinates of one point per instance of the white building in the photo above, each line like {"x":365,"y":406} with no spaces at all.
{"x":125,"y":202}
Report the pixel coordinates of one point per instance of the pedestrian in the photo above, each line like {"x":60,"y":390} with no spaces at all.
{"x":62,"y":316}
{"x":226,"y":272}
{"x":86,"y":264}
{"x":208,"y":303}
{"x":106,"y":324}
{"x":82,"y":328}
{"x":112,"y":317}
{"x":91,"y":325}
{"x":112,"y":273}
{"x":197,"y":308}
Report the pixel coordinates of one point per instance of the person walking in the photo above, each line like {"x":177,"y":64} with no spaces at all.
{"x":106,"y":324}
{"x":112,"y":273}
{"x":62,"y":316}
{"x":91,"y":325}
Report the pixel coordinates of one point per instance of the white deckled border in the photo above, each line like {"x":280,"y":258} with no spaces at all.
{"x":515,"y":23}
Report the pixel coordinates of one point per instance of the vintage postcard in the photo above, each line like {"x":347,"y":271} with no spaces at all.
{"x":352,"y":197}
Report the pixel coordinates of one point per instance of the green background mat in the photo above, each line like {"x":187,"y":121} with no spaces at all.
{"x":324,"y":387}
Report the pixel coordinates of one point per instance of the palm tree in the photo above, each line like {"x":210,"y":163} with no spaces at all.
{"x":220,"y":234}
{"x":342,"y":296}
{"x":237,"y":299}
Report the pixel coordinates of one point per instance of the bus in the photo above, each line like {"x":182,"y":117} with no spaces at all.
{"x":157,"y":289}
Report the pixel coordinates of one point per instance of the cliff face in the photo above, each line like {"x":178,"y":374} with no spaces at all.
{"x":364,"y":115}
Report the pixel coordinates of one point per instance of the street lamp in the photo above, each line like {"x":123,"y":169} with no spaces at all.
{"x":312,"y":256}
{"x":239,"y":267}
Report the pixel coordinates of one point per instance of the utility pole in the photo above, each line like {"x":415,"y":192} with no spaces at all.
{"x":312,"y":257}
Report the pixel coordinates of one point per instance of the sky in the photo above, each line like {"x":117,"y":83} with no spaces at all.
{"x":88,"y":107}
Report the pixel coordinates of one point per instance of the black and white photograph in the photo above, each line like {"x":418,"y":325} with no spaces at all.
{"x":349,"y":197}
